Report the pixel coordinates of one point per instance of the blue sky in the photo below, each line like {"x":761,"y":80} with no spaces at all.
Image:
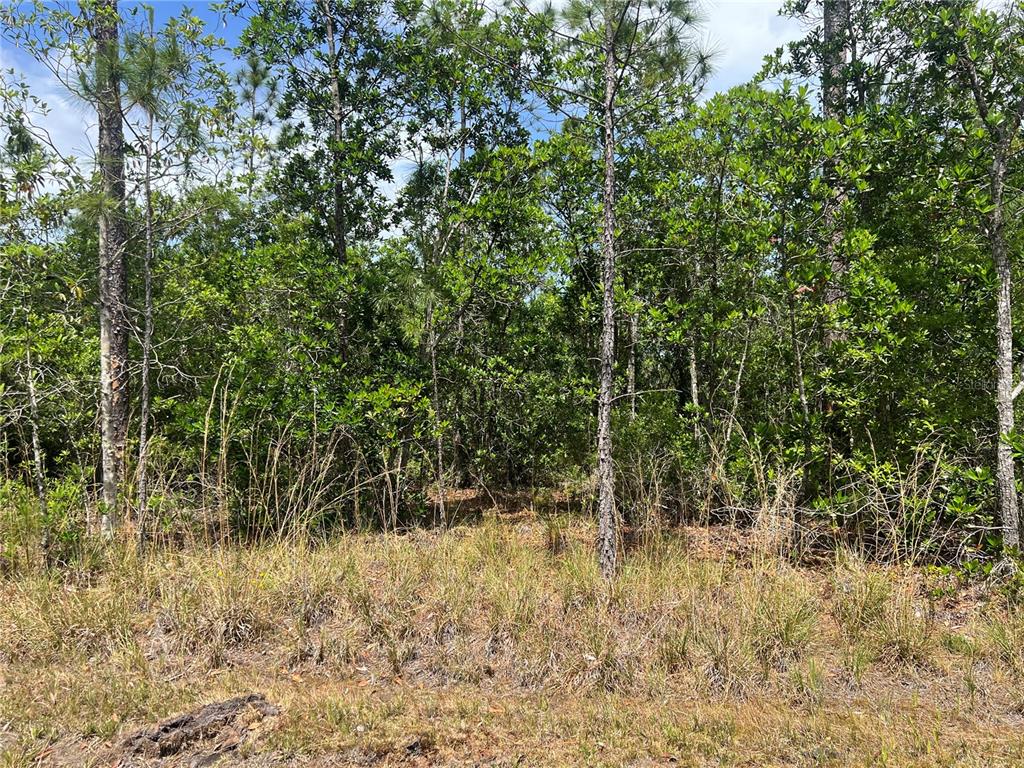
{"x":741,"y":32}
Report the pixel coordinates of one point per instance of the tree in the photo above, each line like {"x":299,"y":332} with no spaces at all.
{"x":339,"y":64}
{"x":258,"y":97}
{"x":115,"y":325}
{"x":623,"y":56}
{"x":170,"y":77}
{"x":83,"y":52}
{"x":836,"y":32}
{"x":835,"y":48}
{"x":47,"y":332}
{"x":466,"y":102}
{"x":976,"y":62}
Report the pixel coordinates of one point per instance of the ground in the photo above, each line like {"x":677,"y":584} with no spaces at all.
{"x":498,"y":644}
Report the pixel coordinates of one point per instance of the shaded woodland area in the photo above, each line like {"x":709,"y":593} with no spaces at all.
{"x":429,"y":382}
{"x":595,"y":281}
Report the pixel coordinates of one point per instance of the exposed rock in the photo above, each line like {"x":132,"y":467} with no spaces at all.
{"x":224,"y":722}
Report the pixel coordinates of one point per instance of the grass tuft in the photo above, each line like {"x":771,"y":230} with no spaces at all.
{"x":382,"y":646}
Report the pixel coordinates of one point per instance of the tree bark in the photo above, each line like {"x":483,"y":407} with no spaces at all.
{"x":112,"y":265}
{"x":731,"y":423}
{"x":439,"y":437}
{"x":251,"y":159}
{"x":835,"y":26}
{"x":692,"y":354}
{"x":147,"y":345}
{"x":834,"y":87}
{"x":38,"y":464}
{"x":436,"y":403}
{"x":337,"y":188}
{"x":1006,"y":481}
{"x":1002,"y":137}
{"x":798,"y":363}
{"x":606,"y":538}
{"x":833,"y":98}
{"x":634,"y":339}
{"x":176,"y":734}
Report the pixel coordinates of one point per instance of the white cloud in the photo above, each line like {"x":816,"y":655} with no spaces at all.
{"x":68,"y":122}
{"x":742,"y":33}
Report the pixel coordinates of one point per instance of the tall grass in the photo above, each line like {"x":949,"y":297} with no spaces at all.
{"x":481,"y":608}
{"x":485,"y":601}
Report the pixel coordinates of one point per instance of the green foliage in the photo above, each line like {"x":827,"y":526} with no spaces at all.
{"x":805,"y":304}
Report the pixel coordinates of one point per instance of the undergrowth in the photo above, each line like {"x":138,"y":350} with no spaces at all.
{"x":488,"y":606}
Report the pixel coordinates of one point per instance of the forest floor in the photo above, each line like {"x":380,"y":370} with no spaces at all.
{"x":498,"y":644}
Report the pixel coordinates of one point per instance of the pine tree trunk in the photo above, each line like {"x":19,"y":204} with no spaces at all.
{"x":112,"y":266}
{"x":337,"y":190}
{"x":694,"y":388}
{"x":435,"y":389}
{"x":147,"y":344}
{"x":606,"y":537}
{"x":794,"y":340}
{"x":833,"y":81}
{"x":834,"y":88}
{"x":251,"y":159}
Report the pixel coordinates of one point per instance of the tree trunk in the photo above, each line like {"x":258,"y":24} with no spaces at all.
{"x":834,"y":86}
{"x":606,"y":537}
{"x":692,"y":353}
{"x":634,"y":339}
{"x":694,"y":388}
{"x":38,"y":464}
{"x":835,"y":25}
{"x":147,"y":344}
{"x":338,"y":192}
{"x":1005,"y":472}
{"x":833,"y":99}
{"x":798,"y":362}
{"x":112,"y":266}
{"x":436,"y":398}
{"x":251,"y":159}
{"x":731,"y":423}
{"x":798,"y":367}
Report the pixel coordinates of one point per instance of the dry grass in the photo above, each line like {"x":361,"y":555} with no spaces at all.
{"x":500,"y":643}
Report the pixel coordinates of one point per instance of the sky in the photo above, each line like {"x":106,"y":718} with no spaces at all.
{"x":741,"y":32}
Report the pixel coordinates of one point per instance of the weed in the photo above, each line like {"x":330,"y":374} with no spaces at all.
{"x":810,"y":682}
{"x":907,"y":631}
{"x":860,"y":596}
{"x":1004,"y":638}
{"x":783,"y":614}
{"x":857,"y":658}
